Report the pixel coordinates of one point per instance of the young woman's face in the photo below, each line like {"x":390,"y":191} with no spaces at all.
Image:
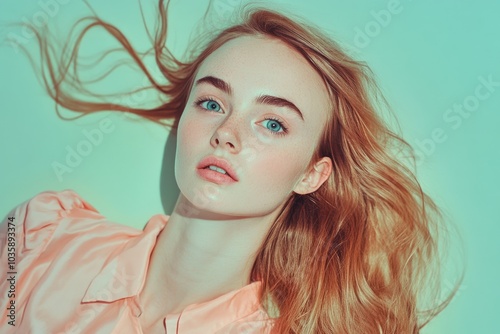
{"x":269,"y":161}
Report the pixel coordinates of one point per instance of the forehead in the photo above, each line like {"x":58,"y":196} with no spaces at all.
{"x":255,"y":65}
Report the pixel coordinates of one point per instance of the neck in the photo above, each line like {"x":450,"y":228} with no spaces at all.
{"x":197,"y":259}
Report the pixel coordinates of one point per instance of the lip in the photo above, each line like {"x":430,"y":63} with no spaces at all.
{"x":219,"y":162}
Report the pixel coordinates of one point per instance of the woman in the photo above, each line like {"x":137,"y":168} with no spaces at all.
{"x":294,"y":216}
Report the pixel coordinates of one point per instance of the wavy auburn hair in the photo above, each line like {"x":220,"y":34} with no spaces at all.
{"x":355,"y":256}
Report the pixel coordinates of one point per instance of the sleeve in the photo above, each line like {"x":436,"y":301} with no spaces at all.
{"x":29,"y":226}
{"x":24,"y":234}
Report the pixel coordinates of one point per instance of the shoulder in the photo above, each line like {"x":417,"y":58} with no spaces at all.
{"x":33,"y":224}
{"x":55,"y":239}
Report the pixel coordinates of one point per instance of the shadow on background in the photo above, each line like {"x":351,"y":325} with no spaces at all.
{"x":169,"y":191}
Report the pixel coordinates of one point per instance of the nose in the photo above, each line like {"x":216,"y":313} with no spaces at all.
{"x":227,"y":135}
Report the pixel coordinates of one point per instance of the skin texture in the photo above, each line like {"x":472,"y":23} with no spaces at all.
{"x":210,"y":242}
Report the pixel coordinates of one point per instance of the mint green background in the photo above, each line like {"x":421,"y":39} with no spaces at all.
{"x":427,"y":58}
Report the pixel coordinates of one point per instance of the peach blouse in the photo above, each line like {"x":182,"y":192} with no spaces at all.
{"x":67,"y":269}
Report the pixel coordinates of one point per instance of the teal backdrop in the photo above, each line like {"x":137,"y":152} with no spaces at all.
{"x":437,"y":62}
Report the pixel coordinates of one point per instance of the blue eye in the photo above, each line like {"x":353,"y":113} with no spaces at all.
{"x":213,"y":105}
{"x":275,"y":121}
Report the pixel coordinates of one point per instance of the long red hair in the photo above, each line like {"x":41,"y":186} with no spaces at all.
{"x":355,"y":256}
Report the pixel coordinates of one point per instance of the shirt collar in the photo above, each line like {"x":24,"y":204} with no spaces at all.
{"x":124,"y":273}
{"x":210,"y":316}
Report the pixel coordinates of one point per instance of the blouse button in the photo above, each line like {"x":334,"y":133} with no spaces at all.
{"x":63,"y":213}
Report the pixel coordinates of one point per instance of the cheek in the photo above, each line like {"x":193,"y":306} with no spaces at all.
{"x":188,"y":142}
{"x":190,"y":131}
{"x":278,"y":170}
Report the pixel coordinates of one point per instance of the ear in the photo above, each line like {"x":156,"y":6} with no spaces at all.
{"x":314,"y":178}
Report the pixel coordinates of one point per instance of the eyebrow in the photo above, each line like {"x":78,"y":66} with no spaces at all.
{"x":261,"y":99}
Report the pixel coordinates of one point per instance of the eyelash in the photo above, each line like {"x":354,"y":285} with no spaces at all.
{"x":199,"y":101}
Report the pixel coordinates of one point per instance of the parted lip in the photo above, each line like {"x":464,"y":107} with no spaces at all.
{"x":219,"y":162}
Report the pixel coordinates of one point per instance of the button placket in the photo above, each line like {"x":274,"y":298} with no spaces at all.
{"x":171,"y":324}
